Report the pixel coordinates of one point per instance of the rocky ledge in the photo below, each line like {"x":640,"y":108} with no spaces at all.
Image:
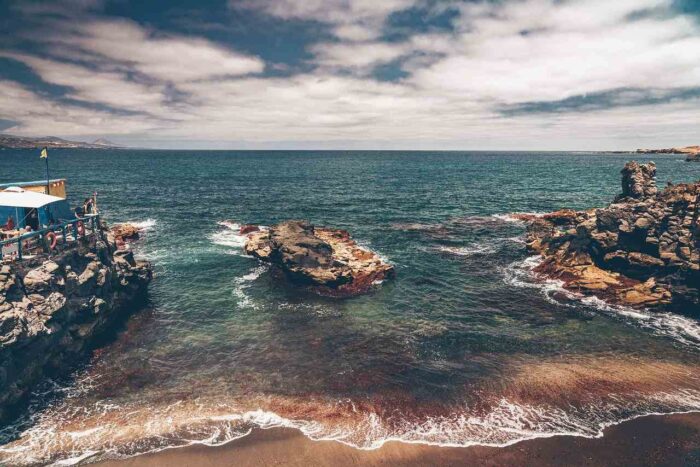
{"x":642,"y":250}
{"x":328,"y":261}
{"x":53,"y":311}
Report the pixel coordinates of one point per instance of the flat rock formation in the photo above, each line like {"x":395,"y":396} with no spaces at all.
{"x":54,"y":310}
{"x":642,"y":250}
{"x":328,"y":261}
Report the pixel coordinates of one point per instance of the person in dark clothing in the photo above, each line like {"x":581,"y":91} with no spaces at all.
{"x":88,"y":205}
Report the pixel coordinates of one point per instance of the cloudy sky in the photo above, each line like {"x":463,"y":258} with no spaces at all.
{"x":355,"y":74}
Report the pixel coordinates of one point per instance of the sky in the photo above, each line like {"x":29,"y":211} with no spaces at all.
{"x":354,"y":74}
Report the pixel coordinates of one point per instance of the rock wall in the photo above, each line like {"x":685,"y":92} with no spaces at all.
{"x":53,"y":311}
{"x":641,"y":250}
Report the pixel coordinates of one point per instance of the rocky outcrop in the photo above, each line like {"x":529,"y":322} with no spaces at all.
{"x":641,"y":250}
{"x":125,"y":231}
{"x":54,"y":310}
{"x":328,"y":261}
{"x":638,"y":180}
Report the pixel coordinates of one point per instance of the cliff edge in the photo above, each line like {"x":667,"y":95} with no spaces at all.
{"x":53,"y":310}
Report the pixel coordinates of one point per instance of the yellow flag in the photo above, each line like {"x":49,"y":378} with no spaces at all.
{"x":44,"y":153}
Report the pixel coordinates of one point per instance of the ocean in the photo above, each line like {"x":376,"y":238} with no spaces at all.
{"x":466,"y":346}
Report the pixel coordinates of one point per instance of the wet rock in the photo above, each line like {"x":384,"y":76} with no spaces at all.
{"x":126,"y":231}
{"x":248,"y":228}
{"x":642,"y":250}
{"x":326,"y":260}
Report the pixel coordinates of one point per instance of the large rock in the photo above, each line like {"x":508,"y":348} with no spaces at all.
{"x":642,"y":250}
{"x":638,"y":180}
{"x":53,"y":311}
{"x":326,"y":260}
{"x":126,"y":231}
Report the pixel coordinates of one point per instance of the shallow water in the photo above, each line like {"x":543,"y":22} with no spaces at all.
{"x":464,"y":347}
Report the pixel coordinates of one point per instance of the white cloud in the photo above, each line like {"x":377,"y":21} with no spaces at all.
{"x":332,"y":11}
{"x":352,"y":20}
{"x":501,"y":54}
{"x":167,"y":58}
{"x":546,"y":50}
{"x":93,"y":86}
{"x":356,"y":55}
{"x":39,"y":116}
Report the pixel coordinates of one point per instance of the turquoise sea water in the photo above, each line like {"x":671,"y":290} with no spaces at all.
{"x":465,"y":346}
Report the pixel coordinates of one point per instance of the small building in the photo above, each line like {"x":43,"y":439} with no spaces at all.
{"x":22,"y":207}
{"x":57,"y":186}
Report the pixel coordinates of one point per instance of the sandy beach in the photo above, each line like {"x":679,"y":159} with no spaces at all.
{"x":654,"y":440}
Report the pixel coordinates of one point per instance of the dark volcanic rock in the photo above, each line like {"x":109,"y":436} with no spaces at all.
{"x":54,"y":310}
{"x":327,"y":260}
{"x":642,"y":250}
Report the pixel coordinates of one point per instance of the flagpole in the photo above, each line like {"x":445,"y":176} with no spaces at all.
{"x":48,"y":179}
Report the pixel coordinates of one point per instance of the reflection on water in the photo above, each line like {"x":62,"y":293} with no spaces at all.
{"x":464,"y":347}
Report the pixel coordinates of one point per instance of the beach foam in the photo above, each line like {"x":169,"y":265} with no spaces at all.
{"x":123,"y":431}
{"x":230,"y":236}
{"x":469,"y":250}
{"x":680,"y":328}
{"x":242,"y":283}
{"x":145,"y":225}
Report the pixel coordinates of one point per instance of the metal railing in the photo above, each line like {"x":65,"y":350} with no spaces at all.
{"x":90,"y":224}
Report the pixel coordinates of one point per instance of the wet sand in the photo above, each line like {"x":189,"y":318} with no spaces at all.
{"x":655,"y":440}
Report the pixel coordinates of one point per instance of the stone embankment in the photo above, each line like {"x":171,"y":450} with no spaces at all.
{"x":54,"y":310}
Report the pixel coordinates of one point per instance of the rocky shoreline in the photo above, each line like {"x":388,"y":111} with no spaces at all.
{"x":692,"y":152}
{"x":54,"y":310}
{"x":643,"y":250}
{"x":326,"y":261}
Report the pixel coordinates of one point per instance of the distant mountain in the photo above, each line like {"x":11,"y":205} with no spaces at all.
{"x":23,"y":142}
{"x":106,"y":143}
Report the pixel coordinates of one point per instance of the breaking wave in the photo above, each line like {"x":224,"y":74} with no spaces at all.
{"x":230,"y":236}
{"x":513,"y":218}
{"x":242,"y":283}
{"x":145,"y":225}
{"x":110,"y":431}
{"x":469,"y":250}
{"x":680,"y":328}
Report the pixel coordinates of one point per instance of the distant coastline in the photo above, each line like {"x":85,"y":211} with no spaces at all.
{"x":25,"y":142}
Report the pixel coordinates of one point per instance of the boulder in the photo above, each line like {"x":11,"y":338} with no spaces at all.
{"x":328,"y":261}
